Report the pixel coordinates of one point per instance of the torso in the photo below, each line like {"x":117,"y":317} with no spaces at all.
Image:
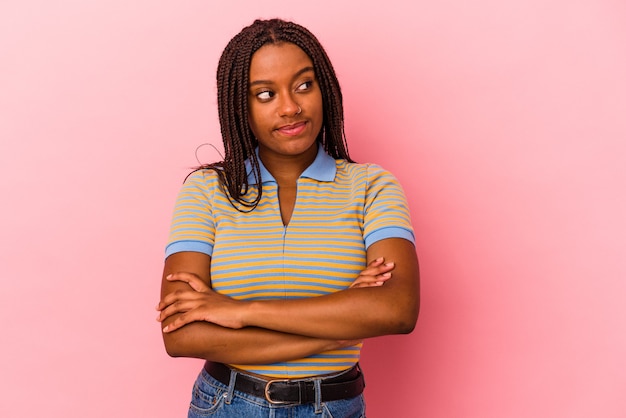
{"x":306,"y":238}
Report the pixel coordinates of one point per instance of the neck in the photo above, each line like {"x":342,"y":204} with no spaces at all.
{"x":286,"y":169}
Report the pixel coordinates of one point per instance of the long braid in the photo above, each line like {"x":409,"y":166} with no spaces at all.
{"x":232,"y":91}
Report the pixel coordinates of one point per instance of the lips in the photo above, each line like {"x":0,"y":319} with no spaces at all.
{"x":292,"y":129}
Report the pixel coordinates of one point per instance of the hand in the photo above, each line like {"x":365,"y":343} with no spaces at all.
{"x":200,"y":303}
{"x":376,"y":274}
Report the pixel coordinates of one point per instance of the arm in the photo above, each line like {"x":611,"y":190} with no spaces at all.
{"x":212,"y":342}
{"x":353,"y":313}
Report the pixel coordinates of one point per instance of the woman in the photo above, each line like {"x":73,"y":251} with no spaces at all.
{"x":286,"y":255}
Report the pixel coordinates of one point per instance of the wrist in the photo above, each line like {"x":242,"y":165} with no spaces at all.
{"x":248,"y":314}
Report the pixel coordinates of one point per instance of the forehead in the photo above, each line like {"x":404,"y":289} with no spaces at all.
{"x":273,"y":60}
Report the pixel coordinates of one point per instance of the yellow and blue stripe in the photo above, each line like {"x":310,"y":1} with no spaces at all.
{"x":341,"y":209}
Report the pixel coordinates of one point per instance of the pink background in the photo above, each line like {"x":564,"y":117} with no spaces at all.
{"x":505,"y":122}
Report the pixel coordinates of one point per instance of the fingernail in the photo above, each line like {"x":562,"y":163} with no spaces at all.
{"x":169,"y":276}
{"x":379,"y":283}
{"x":387,"y":275}
{"x":389,"y":264}
{"x":166,"y":328}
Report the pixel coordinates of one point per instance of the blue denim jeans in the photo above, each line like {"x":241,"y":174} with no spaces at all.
{"x":211,"y":398}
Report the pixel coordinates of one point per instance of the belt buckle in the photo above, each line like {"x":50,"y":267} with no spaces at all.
{"x":267,"y":392}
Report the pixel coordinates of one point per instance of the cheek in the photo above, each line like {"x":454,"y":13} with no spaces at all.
{"x":320,"y":112}
{"x":320,"y":104}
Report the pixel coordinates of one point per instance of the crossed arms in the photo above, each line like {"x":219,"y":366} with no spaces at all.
{"x":198,"y":322}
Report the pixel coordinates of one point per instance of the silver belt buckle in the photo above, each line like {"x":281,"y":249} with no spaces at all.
{"x":267,"y":392}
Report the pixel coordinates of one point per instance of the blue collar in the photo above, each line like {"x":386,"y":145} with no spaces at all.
{"x":323,"y":168}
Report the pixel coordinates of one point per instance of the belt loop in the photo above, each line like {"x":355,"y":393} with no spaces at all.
{"x":231,"y":386}
{"x":317,"y":384}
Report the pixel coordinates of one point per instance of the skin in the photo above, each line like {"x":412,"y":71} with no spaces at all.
{"x":282,"y":82}
{"x":285,"y":106}
{"x":186,"y":291}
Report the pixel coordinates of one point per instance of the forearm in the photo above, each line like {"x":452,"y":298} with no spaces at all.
{"x":244,"y":346}
{"x":209,"y":341}
{"x":351,"y":313}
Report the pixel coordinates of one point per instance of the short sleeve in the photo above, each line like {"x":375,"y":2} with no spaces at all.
{"x":386,"y":210}
{"x":193,"y":226}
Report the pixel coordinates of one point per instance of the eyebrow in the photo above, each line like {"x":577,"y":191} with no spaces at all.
{"x":296,"y":75}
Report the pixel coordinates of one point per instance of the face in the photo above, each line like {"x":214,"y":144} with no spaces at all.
{"x":284,"y":102}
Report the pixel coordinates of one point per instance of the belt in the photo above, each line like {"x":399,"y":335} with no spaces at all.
{"x":292,"y":391}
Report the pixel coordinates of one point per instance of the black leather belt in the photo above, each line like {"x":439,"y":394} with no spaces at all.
{"x":292,"y":391}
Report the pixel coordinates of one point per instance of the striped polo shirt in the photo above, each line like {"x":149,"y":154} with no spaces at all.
{"x":341,"y":209}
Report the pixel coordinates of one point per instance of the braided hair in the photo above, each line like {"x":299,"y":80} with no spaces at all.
{"x":232,"y":95}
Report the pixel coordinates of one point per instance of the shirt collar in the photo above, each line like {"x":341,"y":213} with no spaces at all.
{"x":323,"y":168}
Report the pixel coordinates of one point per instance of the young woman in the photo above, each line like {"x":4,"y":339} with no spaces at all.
{"x":286,"y":255}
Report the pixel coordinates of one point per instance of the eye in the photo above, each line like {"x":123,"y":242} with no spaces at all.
{"x":305,"y":86}
{"x":265,"y":95}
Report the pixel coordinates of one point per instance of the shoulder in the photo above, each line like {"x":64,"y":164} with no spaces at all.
{"x":200,"y":185}
{"x":368,"y":171}
{"x":203,"y":178}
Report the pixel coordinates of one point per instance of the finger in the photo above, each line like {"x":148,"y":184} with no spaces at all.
{"x":193,"y":315}
{"x":196,"y":313}
{"x":176,"y":296}
{"x":378,"y":269}
{"x":363,"y":285}
{"x":182,"y":320}
{"x":376,"y":262}
{"x":369,"y":281}
{"x":175,"y":308}
{"x":192,"y":279}
{"x":374,"y":279}
{"x":171,"y":297}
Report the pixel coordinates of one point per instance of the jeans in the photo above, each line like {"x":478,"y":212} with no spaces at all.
{"x":211,"y":398}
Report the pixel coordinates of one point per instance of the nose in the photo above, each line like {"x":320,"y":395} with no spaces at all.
{"x":288,"y":106}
